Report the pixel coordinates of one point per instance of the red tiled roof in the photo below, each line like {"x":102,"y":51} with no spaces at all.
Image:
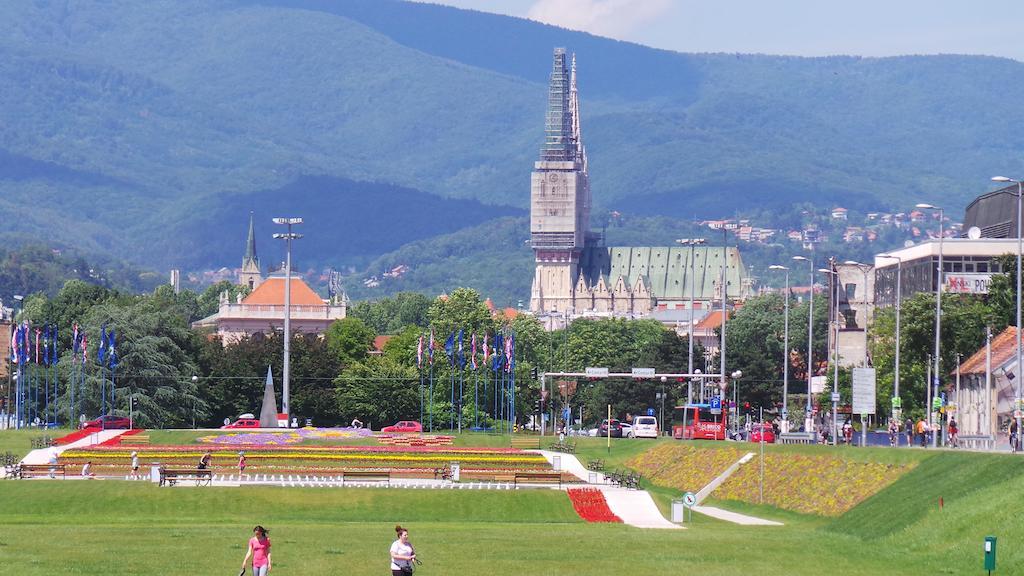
{"x":271,"y":292}
{"x":380,"y":341}
{"x":1004,"y":348}
{"x":711,"y":321}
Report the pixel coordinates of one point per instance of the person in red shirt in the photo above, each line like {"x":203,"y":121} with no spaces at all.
{"x":241,"y":464}
{"x":259,"y":551}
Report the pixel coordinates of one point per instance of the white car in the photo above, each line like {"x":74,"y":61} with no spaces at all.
{"x":627,"y":429}
{"x":644,"y":427}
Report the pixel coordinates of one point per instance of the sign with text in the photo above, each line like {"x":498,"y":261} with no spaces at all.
{"x":967,"y":283}
{"x":863,"y":390}
{"x":643,"y":372}
{"x":596,"y":372}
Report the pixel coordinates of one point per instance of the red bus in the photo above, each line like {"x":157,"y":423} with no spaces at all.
{"x":696,"y":422}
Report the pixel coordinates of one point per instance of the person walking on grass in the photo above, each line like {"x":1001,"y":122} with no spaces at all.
{"x":135,"y":465}
{"x":241,"y":464}
{"x":259,"y":551}
{"x":402,"y":553}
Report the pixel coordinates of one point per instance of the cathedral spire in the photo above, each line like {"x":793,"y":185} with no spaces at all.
{"x":559,"y":127}
{"x":250,"y":247}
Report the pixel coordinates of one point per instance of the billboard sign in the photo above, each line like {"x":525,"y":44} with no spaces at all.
{"x":967,"y":283}
{"x":863,"y":390}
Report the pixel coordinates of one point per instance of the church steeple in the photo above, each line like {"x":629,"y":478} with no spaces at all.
{"x":250,"y":274}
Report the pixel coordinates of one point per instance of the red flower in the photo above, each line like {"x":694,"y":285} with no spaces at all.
{"x":591,"y":505}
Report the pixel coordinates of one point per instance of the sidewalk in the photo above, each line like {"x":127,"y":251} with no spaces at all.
{"x":42,"y":455}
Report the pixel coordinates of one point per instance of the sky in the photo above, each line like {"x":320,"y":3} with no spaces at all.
{"x":787,"y":27}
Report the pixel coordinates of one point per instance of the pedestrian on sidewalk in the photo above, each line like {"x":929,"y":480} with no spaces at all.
{"x":922,"y":432}
{"x":908,"y":429}
{"x":53,"y":463}
{"x":259,"y":551}
{"x":241,"y":464}
{"x":954,"y":434}
{"x":135,"y":465}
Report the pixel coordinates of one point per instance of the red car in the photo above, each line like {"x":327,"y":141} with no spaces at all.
{"x":243,"y":423}
{"x":404,"y":426}
{"x":109,"y":422}
{"x":765,"y":429}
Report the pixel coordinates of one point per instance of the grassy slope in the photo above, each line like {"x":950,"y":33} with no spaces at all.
{"x":136,"y":528}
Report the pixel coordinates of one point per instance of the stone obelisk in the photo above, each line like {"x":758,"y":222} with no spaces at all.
{"x":268,"y":414}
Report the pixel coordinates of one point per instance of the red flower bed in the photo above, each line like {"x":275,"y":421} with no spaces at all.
{"x":591,"y":505}
{"x":74,"y":436}
{"x":119,"y":440}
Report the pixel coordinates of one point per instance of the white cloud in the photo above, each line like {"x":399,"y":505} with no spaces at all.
{"x":614,"y":18}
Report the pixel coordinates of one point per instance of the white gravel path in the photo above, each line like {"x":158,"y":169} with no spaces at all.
{"x":42,"y":455}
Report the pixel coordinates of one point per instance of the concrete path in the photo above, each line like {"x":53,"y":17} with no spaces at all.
{"x":634,"y":507}
{"x":42,"y":455}
{"x":734,"y":517}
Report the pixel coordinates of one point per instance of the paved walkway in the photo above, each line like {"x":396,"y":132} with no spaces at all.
{"x":635,"y":507}
{"x":42,"y":455}
{"x":734,"y":517}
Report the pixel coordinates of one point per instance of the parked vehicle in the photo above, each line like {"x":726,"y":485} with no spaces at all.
{"x":645,"y":427}
{"x":627,"y":429}
{"x":109,"y":422}
{"x":243,"y":423}
{"x":614,"y":429}
{"x":404,"y":426}
{"x":763,"y":429}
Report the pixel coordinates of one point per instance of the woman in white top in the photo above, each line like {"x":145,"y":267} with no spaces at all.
{"x":402,"y":553}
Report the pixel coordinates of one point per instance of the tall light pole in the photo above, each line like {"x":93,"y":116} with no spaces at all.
{"x":899,"y":298}
{"x":1020,"y":397}
{"x":287,"y":237}
{"x":938,"y":319}
{"x":810,"y":342}
{"x":725,"y":293}
{"x":785,"y":349}
{"x":834,"y":352}
{"x":692,"y":243}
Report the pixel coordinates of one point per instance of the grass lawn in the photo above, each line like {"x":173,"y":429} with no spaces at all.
{"x":19,"y":442}
{"x":112,"y":528}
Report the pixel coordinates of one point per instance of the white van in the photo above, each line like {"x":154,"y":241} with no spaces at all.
{"x":645,"y":427}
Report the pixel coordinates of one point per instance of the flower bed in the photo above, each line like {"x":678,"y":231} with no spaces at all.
{"x":591,"y":505}
{"x":122,"y":438}
{"x":285,"y":438}
{"x":414,"y":440}
{"x":826,"y":485}
{"x":325,"y":457}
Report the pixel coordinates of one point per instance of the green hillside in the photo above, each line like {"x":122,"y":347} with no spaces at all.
{"x":126,"y":124}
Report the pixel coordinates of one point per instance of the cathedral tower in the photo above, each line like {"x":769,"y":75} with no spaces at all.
{"x":559,"y":196}
{"x":250,"y":274}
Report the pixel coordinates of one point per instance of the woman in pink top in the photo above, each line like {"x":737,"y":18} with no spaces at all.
{"x":259,"y":550}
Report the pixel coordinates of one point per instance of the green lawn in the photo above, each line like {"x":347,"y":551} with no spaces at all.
{"x":19,"y":442}
{"x":113,"y":528}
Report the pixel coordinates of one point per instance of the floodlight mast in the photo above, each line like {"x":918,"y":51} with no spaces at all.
{"x":286,"y":371}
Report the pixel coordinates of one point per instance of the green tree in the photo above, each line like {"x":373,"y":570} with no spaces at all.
{"x":379,"y":391}
{"x":349,"y":340}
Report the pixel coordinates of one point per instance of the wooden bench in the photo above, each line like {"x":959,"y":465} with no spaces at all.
{"x":137,"y":439}
{"x":171,"y":476}
{"x":526,"y":442}
{"x":538,"y":478}
{"x":366,"y":475}
{"x":30,"y":470}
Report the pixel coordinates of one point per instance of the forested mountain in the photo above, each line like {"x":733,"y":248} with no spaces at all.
{"x":149,"y":130}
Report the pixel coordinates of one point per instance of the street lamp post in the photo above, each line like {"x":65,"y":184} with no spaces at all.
{"x":287,"y":237}
{"x":19,"y":383}
{"x":938,"y":318}
{"x":810,"y":343}
{"x":692,"y":243}
{"x":1020,"y":389}
{"x":736,"y":375}
{"x":785,"y":350}
{"x":834,"y":351}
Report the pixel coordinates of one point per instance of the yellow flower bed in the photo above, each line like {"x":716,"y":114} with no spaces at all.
{"x":424,"y":458}
{"x":825,"y":485}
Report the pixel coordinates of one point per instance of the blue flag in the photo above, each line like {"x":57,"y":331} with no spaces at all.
{"x":449,"y":348}
{"x":101,"y":350}
{"x":112,"y":353}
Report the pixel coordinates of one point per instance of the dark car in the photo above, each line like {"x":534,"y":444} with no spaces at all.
{"x":109,"y":422}
{"x":615,"y":429}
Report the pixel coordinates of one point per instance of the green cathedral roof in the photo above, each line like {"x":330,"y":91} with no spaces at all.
{"x":668,"y":271}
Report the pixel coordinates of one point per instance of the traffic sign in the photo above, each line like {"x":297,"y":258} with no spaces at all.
{"x":593,"y":372}
{"x":835,"y":397}
{"x":643,"y":372}
{"x":650,"y":411}
{"x":864,"y":390}
{"x":896,"y":402}
{"x":936,"y":403}
{"x":716,"y":403}
{"x":689,"y":499}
